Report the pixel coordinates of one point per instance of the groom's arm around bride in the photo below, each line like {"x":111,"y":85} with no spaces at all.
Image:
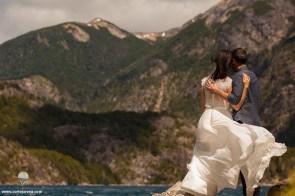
{"x":249,"y":111}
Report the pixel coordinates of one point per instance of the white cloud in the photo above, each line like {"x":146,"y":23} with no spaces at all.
{"x":20,"y":16}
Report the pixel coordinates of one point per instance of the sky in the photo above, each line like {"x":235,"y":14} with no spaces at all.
{"x":20,"y":16}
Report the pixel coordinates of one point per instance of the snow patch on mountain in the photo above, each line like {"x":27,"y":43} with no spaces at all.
{"x":98,"y":23}
{"x":78,"y":33}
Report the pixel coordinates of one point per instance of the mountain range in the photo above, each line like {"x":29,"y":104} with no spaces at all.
{"x":120,"y":107}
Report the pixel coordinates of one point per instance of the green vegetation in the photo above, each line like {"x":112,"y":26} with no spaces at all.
{"x":102,"y":174}
{"x":19,"y":121}
{"x":4,"y":174}
{"x":14,"y":113}
{"x":79,"y":69}
{"x":73,"y":171}
{"x":287,"y":167}
{"x":196,"y":29}
{"x":166,"y":166}
{"x":261,"y":7}
{"x":282,"y":166}
{"x":44,"y":132}
{"x":173,"y":166}
{"x":291,"y":187}
{"x":235,"y":15}
{"x":36,"y":129}
{"x":49,"y":166}
{"x":174,"y":52}
{"x":186,"y":41}
{"x":189,"y":107}
{"x":82,"y":69}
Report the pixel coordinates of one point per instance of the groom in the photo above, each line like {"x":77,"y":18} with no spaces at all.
{"x":249,"y":112}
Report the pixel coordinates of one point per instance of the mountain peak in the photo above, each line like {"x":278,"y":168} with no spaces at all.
{"x":156,"y":36}
{"x":98,"y":23}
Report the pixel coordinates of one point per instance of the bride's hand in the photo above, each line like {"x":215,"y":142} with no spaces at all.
{"x":246,"y":80}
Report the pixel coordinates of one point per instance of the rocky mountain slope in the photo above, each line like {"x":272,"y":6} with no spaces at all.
{"x":43,"y":166}
{"x":114,"y":147}
{"x":144,"y":128}
{"x":139,"y":77}
{"x":36,"y":89}
{"x":57,"y":146}
{"x":166,"y":78}
{"x":78,"y":58}
{"x":279,"y":90}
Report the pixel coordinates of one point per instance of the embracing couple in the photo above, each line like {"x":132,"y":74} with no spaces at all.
{"x":230,"y":143}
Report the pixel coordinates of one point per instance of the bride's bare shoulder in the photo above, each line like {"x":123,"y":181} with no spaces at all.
{"x":228,"y":79}
{"x":228,"y":82}
{"x":203,"y":80}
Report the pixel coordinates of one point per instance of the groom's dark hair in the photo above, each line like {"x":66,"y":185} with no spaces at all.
{"x":239,"y":55}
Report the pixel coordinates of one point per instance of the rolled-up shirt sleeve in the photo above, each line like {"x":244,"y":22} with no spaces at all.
{"x":237,"y":90}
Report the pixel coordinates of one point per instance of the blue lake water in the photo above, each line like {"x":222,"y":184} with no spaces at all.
{"x":100,"y":190}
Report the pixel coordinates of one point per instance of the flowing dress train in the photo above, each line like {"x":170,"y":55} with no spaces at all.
{"x":224,"y":147}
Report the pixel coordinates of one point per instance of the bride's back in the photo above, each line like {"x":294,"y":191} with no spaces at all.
{"x":213,"y":100}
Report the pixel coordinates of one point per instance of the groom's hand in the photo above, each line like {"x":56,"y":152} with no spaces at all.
{"x":211,"y":86}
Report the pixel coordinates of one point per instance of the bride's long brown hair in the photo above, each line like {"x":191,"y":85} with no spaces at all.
{"x":222,"y":61}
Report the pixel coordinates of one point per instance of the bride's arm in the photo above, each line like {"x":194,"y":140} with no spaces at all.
{"x":246,"y":82}
{"x":210,"y":85}
{"x":224,"y":94}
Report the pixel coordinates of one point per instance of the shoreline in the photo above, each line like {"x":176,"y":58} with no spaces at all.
{"x":109,"y":185}
{"x":270,"y":184}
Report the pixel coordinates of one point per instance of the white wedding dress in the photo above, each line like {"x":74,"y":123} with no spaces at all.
{"x":224,"y":147}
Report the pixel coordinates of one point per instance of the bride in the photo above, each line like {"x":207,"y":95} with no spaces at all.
{"x":223,"y":146}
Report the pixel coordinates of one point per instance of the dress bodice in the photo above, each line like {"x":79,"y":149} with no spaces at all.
{"x":214,"y":101}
